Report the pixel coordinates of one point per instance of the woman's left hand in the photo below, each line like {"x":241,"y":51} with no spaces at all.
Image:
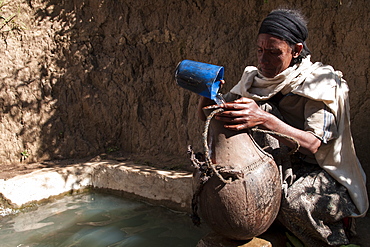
{"x":242,"y":114}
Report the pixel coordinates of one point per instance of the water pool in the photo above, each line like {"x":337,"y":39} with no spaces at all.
{"x":97,"y":220}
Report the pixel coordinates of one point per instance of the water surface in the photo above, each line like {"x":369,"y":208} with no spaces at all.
{"x":94,"y":220}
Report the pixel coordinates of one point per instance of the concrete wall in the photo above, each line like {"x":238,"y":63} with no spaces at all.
{"x":167,"y":188}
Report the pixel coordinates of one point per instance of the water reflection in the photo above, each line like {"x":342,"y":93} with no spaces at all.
{"x":99,"y":220}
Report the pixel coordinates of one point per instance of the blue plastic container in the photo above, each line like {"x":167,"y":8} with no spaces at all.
{"x":201,"y":78}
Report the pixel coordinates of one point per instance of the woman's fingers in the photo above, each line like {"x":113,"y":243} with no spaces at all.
{"x":230,"y":119}
{"x":243,"y":100}
{"x":237,"y":126}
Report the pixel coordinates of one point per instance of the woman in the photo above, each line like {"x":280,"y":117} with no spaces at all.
{"x":325,"y":184}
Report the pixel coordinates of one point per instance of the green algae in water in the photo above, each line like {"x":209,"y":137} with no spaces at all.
{"x":95,"y":220}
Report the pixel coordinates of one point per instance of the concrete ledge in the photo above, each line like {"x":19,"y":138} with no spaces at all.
{"x":168,"y":188}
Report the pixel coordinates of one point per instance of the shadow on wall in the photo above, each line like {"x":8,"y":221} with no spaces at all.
{"x":109,"y":75}
{"x":97,"y":76}
{"x":92,"y":87}
{"x":103,"y":80}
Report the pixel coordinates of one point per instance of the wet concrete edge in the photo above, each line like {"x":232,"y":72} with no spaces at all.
{"x":172,"y":189}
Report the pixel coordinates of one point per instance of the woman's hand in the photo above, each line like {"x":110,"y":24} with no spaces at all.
{"x":245,"y":113}
{"x":242,"y":114}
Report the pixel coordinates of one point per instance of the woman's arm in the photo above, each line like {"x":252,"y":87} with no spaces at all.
{"x":245,"y":113}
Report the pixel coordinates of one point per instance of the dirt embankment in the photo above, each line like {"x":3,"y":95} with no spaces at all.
{"x":83,"y":78}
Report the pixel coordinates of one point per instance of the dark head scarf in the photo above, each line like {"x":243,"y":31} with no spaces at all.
{"x":287,"y":25}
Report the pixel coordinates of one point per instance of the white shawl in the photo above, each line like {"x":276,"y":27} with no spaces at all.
{"x":317,"y":82}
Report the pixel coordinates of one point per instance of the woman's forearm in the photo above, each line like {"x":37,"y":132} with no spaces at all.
{"x":309,"y":143}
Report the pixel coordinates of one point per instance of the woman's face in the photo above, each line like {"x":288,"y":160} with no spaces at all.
{"x":274,"y":55}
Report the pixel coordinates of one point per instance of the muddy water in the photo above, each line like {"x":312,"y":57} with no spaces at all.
{"x":95,"y":219}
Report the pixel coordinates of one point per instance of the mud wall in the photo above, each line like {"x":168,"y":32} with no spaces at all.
{"x":80,"y":78}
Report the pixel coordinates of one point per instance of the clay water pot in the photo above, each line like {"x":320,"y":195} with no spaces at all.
{"x":246,"y":206}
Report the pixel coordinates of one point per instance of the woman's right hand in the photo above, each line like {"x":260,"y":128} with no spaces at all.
{"x":242,"y":114}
